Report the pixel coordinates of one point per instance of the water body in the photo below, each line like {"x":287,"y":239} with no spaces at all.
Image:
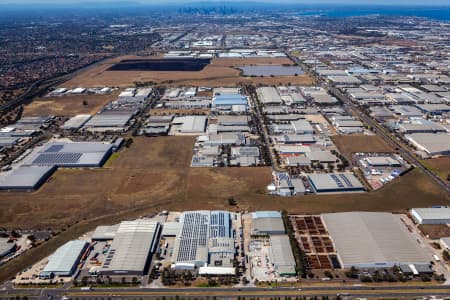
{"x":441,"y":13}
{"x":276,"y":70}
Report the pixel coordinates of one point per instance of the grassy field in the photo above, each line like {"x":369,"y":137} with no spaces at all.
{"x":68,"y":105}
{"x":349,"y":144}
{"x":219,"y":73}
{"x":439,"y":165}
{"x":154,"y":174}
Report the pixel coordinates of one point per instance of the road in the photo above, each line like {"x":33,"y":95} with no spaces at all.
{"x":132,"y":293}
{"x":351,"y":107}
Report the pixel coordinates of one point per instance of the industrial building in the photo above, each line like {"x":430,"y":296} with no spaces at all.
{"x":105,"y":233}
{"x":204,"y":240}
{"x":26,"y":177}
{"x":189,"y":124}
{"x":373,"y":240}
{"x":382,"y":161}
{"x":132,"y":248}
{"x":433,"y":144}
{"x":281,"y":255}
{"x":72,"y":154}
{"x":269,"y":96}
{"x":110,"y":120}
{"x":432,"y":215}
{"x":76,"y":122}
{"x":335,"y":183}
{"x":65,"y":259}
{"x":267,"y":223}
{"x":7,"y":246}
{"x":230,"y":103}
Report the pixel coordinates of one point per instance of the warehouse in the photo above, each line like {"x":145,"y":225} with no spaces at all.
{"x":433,"y":144}
{"x":322,"y":156}
{"x":294,"y":139}
{"x":433,"y":215}
{"x":228,"y":138}
{"x":8,"y":141}
{"x":373,"y":240}
{"x":269,"y":96}
{"x":204,"y":239}
{"x":419,"y":125}
{"x":267,"y":223}
{"x":110,"y":120}
{"x":189,"y":124}
{"x":76,"y":122}
{"x":132,"y":248}
{"x":65,"y":259}
{"x":72,"y":154}
{"x":230,"y":102}
{"x":281,"y":255}
{"x":302,"y":127}
{"x":233,"y":120}
{"x":382,"y":161}
{"x":7,"y":246}
{"x":105,"y":233}
{"x":335,"y":183}
{"x":26,"y":177}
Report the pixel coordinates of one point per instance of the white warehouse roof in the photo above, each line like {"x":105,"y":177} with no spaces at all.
{"x":372,"y":239}
{"x":63,"y":262}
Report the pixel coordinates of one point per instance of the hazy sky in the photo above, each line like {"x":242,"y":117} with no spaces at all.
{"x":311,"y":2}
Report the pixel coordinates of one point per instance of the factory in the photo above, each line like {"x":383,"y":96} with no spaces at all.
{"x":230,"y":102}
{"x":335,"y":183}
{"x":205,"y":240}
{"x":267,"y":223}
{"x":65,"y":260}
{"x":281,"y":255}
{"x":269,"y":96}
{"x":373,"y":240}
{"x":72,"y":154}
{"x":131,"y":250}
{"x":433,"y":144}
{"x":76,"y":122}
{"x":189,"y":125}
{"x":433,"y":215}
{"x":26,"y":177}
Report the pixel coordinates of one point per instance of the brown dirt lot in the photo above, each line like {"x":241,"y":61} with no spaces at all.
{"x":435,"y":231}
{"x":154,"y":174}
{"x":218,"y":73}
{"x":349,"y":144}
{"x":68,"y":105}
{"x":439,"y":165}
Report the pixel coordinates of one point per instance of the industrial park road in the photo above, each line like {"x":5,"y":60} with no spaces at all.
{"x":378,"y":129}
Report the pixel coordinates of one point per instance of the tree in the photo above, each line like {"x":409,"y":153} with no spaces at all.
{"x":232,"y":201}
{"x":85,"y":103}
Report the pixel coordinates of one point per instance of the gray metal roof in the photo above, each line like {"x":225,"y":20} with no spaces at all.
{"x":268,"y":95}
{"x":281,"y":254}
{"x":267,"y":223}
{"x":105,"y":232}
{"x":5,"y":247}
{"x":433,"y":213}
{"x":25,"y":177}
{"x":64,"y":259}
{"x":371,"y":238}
{"x":333,"y":182}
{"x":132,"y":245}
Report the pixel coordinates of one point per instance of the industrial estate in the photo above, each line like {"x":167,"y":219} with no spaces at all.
{"x":298,"y":155}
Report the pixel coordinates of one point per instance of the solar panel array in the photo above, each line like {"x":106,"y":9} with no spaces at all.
{"x":337,"y":181}
{"x":57,"y":158}
{"x":54,"y":148}
{"x":198,"y":227}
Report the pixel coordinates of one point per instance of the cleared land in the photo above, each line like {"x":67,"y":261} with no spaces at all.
{"x":349,"y":144}
{"x":219,"y":73}
{"x":68,"y":105}
{"x":154,"y":174}
{"x":435,"y":231}
{"x":439,"y":165}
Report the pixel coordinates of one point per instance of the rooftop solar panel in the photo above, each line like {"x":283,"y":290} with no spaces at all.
{"x":57,"y":158}
{"x":54,"y":148}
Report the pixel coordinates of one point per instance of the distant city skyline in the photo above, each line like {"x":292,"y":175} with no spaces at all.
{"x":307,"y":2}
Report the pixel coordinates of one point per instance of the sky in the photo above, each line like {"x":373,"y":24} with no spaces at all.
{"x":309,"y":2}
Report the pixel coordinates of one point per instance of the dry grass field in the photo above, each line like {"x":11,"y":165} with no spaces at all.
{"x":219,"y":73}
{"x":154,"y":174}
{"x":439,"y":165}
{"x":349,"y":144}
{"x":68,"y":105}
{"x":435,"y":231}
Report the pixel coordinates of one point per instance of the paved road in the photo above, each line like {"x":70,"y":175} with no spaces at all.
{"x":404,"y":150}
{"x":353,"y":291}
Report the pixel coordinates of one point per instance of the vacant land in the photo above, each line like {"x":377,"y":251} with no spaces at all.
{"x":435,"y":231}
{"x":439,"y":165}
{"x":219,"y":73}
{"x":154,"y":174}
{"x":349,"y":144}
{"x":68,"y":105}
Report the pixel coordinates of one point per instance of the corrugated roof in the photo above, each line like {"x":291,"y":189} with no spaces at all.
{"x":65,"y":258}
{"x":371,"y":238}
